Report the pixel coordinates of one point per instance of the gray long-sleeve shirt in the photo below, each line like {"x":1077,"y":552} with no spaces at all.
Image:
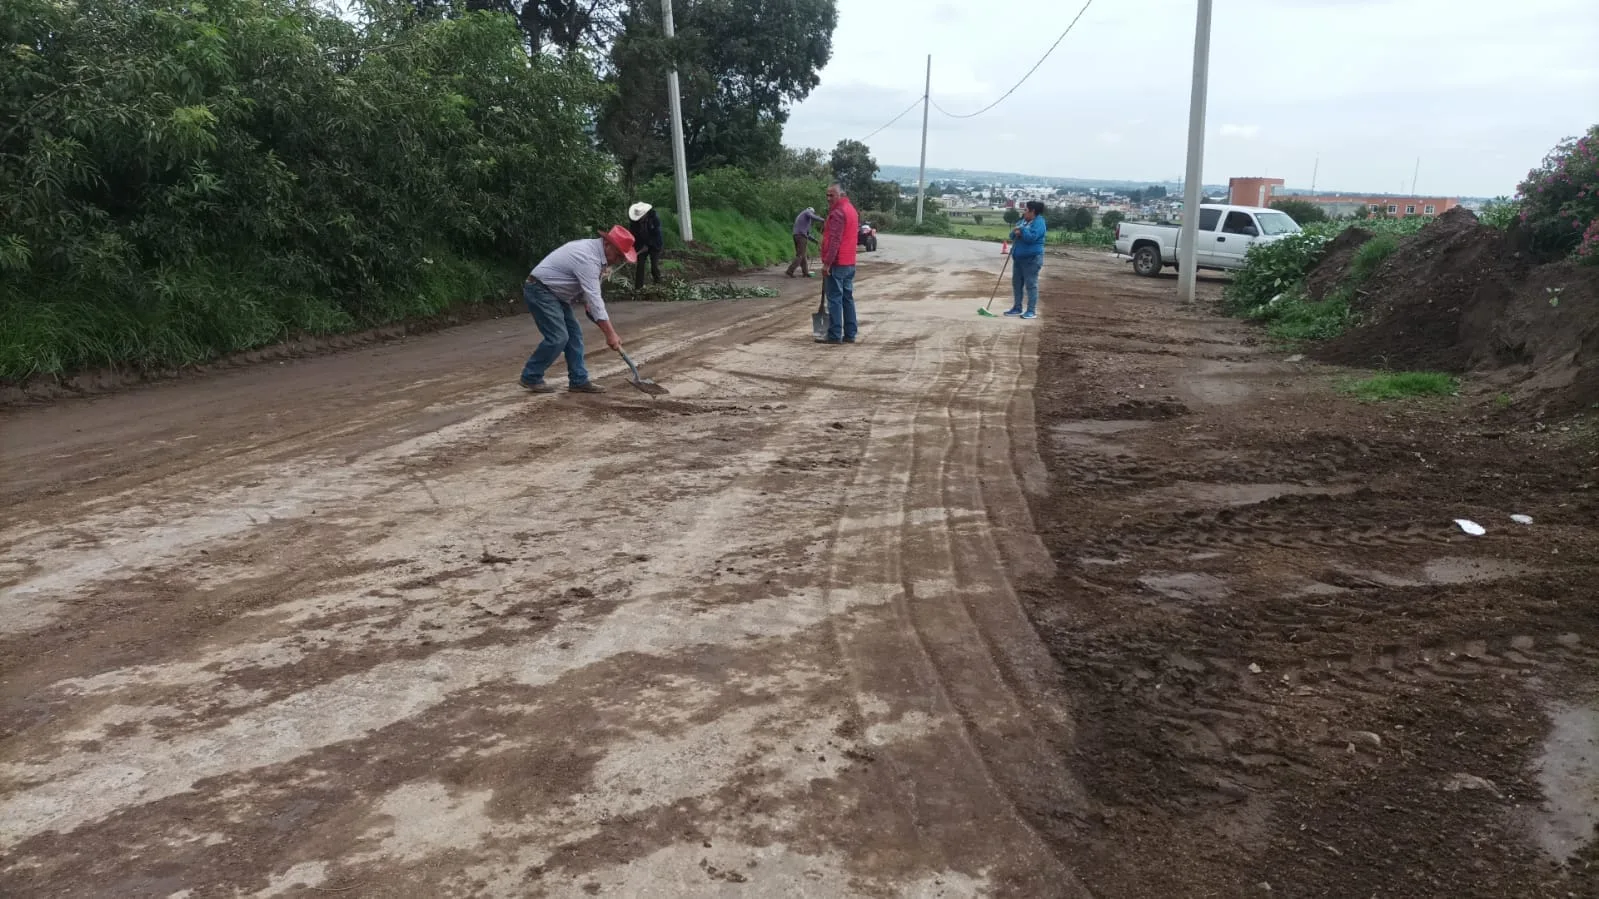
{"x":572,"y":272}
{"x":805,"y":222}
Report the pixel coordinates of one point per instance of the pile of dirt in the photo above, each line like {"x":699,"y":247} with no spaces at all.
{"x":1459,"y":296}
{"x":1330,"y":272}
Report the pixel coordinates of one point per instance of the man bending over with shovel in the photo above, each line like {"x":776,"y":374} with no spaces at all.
{"x":569,"y":277}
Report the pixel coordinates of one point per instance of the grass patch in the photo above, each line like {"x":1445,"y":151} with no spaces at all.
{"x":1402,"y":384}
{"x":751,"y":243}
{"x":1294,"y":317}
{"x":1370,"y":255}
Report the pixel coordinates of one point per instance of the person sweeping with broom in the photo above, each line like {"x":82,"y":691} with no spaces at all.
{"x":1027,"y":259}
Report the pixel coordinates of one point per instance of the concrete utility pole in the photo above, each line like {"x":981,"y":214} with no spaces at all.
{"x":1188,"y":238}
{"x":685,"y":221}
{"x":921,"y":174}
{"x":1413,"y":176}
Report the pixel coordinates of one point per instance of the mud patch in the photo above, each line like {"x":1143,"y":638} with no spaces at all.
{"x":1568,"y":771}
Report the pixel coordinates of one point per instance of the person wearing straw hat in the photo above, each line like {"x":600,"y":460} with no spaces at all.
{"x":568,"y":277}
{"x":647,"y":241}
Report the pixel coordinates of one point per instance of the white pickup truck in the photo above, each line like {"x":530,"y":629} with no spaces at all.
{"x":1225,"y":234}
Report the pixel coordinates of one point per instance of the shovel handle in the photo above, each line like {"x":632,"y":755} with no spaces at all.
{"x":630,"y":365}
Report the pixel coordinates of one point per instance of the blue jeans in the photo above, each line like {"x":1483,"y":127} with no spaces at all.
{"x":1024,"y":276}
{"x":561,"y":335}
{"x":840,"y":285}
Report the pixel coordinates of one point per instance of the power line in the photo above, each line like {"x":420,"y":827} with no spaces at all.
{"x":914,"y":103}
{"x":1024,"y":77}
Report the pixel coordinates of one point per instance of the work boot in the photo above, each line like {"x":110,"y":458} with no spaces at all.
{"x":586,"y":387}
{"x":536,"y":387}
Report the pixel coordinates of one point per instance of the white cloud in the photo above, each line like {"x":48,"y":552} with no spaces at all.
{"x":1247,"y":132}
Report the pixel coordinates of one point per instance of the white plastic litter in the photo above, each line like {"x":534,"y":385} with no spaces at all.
{"x":1471,"y":527}
{"x":1254,"y":668}
{"x":1521,"y":519}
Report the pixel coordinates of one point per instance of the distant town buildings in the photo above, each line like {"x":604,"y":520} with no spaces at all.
{"x":1262,"y":191}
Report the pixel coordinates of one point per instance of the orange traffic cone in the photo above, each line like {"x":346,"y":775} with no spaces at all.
{"x":1004,"y":247}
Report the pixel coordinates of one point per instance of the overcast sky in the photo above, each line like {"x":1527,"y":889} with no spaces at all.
{"x":1478,"y":89}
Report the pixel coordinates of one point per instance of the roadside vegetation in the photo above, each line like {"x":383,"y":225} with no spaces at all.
{"x":183,"y":181}
{"x":1555,"y":210}
{"x":1270,"y":287}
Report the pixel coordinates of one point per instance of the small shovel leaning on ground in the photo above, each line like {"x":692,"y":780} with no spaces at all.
{"x":819,"y":317}
{"x":642,"y":383}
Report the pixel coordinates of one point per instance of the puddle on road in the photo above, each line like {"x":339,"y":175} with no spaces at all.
{"x":1186,"y":585}
{"x":1085,"y":433}
{"x":1443,"y":571}
{"x":1248,"y":494}
{"x":1568,"y":772}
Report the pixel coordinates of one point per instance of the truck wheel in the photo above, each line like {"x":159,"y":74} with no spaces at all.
{"x":1146,"y":261}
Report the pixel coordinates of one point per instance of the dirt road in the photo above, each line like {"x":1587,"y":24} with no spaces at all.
{"x":380,"y":623}
{"x":1122,"y":602}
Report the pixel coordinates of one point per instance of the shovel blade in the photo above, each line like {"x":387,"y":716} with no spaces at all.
{"x":650,"y":387}
{"x":819,"y":325}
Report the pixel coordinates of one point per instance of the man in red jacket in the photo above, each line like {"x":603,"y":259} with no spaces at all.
{"x":838,"y":266}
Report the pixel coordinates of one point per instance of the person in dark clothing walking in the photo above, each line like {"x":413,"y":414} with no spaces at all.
{"x":647,"y":241}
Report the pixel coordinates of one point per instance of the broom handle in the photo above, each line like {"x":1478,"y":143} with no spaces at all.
{"x":1001,"y":277}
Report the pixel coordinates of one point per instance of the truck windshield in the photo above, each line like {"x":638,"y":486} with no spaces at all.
{"x":1276,"y":223}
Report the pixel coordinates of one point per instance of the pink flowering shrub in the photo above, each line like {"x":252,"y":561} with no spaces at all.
{"x":1560,"y":200}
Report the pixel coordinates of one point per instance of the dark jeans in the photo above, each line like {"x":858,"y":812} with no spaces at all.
{"x":840,"y":286}
{"x":802,"y":248}
{"x":655,"y":267}
{"x":1024,"y":278}
{"x":558,"y":325}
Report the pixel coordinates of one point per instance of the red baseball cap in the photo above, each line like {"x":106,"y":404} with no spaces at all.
{"x":622,"y":239}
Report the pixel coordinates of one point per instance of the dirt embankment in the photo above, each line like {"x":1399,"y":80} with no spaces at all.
{"x":1462,"y":297}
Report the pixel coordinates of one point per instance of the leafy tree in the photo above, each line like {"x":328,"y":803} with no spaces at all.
{"x":808,"y":163}
{"x":1156,"y":192}
{"x":1012,"y":216}
{"x":1111,"y":219}
{"x":566,"y":25}
{"x":1136,"y":196}
{"x":180,"y":180}
{"x":1302,"y":211}
{"x":752,"y":59}
{"x":977,"y":219}
{"x":854,"y":168}
{"x":1078,"y":218}
{"x":740,"y":64}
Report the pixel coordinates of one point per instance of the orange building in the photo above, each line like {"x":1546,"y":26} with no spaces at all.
{"x":1251,"y":191}
{"x":1262,"y":191}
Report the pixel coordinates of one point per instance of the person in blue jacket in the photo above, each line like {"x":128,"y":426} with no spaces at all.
{"x":1027,"y":258}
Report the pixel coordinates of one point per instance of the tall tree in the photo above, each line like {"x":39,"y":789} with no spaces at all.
{"x":740,"y":62}
{"x":566,"y":25}
{"x":854,"y":168}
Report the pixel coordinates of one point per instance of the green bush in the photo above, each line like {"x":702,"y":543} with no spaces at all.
{"x":1274,"y":268}
{"x":180,"y":180}
{"x":1560,"y":200}
{"x":1500,"y":212}
{"x":882,"y":221}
